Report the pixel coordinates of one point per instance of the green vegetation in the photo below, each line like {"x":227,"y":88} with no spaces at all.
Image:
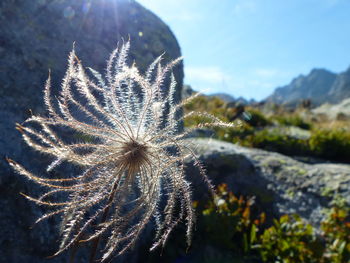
{"x":289,"y":240}
{"x":331,"y":144}
{"x":336,"y":233}
{"x":293,"y":120}
{"x":228,"y":222}
{"x":233,"y":229}
{"x":275,"y":140}
{"x":280,"y":131}
{"x":255,"y":118}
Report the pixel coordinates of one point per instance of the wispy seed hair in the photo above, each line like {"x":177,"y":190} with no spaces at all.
{"x":134,"y":156}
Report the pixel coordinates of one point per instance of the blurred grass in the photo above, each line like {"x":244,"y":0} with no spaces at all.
{"x":292,"y":132}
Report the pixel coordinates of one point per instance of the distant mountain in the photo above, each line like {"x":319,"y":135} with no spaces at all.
{"x":188,"y":91}
{"x":316,"y":86}
{"x":224,"y":96}
{"x":230,"y":99}
{"x":340,"y":88}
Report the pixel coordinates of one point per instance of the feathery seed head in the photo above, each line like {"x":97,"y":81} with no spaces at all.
{"x":134,"y":158}
{"x":134,"y":155}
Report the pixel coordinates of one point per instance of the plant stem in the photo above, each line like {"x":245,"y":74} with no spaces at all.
{"x":96,"y":242}
{"x":73,"y":252}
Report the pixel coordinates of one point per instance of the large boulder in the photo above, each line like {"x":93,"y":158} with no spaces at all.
{"x":37,"y":36}
{"x":281,"y":184}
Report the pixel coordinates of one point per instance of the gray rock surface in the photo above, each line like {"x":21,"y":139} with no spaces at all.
{"x":36,"y":36}
{"x":280,"y":183}
{"x":334,"y":111}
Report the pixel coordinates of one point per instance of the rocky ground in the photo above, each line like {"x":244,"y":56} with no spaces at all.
{"x":280,"y":183}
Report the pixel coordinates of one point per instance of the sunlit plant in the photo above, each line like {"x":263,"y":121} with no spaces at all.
{"x":134,"y":158}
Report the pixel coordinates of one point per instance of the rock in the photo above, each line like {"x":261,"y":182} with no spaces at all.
{"x":340,"y":111}
{"x":37,"y":36}
{"x":187,"y":91}
{"x":281,"y":184}
{"x":291,"y":131}
{"x":201,"y":132}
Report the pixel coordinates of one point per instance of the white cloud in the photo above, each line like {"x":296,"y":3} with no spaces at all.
{"x":207,"y":78}
{"x":210,"y":74}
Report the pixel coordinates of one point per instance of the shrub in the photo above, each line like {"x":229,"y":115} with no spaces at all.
{"x":235,"y":135}
{"x":228,"y":222}
{"x":293,"y":120}
{"x":327,"y":144}
{"x":289,"y":240}
{"x":236,"y":229}
{"x":336,"y":233}
{"x":256,"y":131}
{"x":274,"y":140}
{"x":331,"y":144}
{"x":256,"y":119}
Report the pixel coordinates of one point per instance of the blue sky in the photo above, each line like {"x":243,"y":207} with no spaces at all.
{"x":249,"y":47}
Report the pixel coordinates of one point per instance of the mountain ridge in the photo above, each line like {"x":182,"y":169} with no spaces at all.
{"x":319,"y":86}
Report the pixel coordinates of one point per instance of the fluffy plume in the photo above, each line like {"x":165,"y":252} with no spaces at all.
{"x":132,"y":156}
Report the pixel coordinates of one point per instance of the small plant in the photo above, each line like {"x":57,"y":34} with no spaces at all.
{"x":228,"y":221}
{"x":336,"y":233}
{"x":289,"y":240}
{"x":133,"y":155}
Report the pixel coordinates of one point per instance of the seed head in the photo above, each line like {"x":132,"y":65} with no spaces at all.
{"x":131,"y":153}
